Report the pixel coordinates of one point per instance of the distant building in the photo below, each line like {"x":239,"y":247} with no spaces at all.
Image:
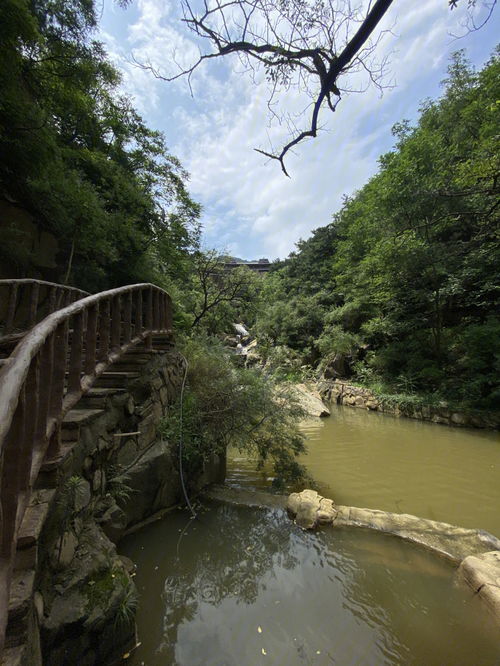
{"x":261,"y":266}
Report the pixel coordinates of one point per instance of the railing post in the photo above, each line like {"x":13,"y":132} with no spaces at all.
{"x":116,"y":322}
{"x":11,"y":311}
{"x":32,"y":392}
{"x":138,"y":313}
{"x":46,"y":364}
{"x":103,"y":330}
{"x":75,"y":359}
{"x":168,"y":313}
{"x":10,"y":474}
{"x":66,"y":298}
{"x":91,"y":340}
{"x":59,"y":368}
{"x":127,"y":318}
{"x":156,"y":310}
{"x":149,"y":318}
{"x":52,"y":299}
{"x":35,"y":289}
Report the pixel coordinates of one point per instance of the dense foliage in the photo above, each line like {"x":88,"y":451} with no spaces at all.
{"x":404,"y":281}
{"x":79,"y":158}
{"x":229,"y":405}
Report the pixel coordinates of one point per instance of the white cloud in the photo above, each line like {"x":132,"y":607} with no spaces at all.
{"x":250,"y":206}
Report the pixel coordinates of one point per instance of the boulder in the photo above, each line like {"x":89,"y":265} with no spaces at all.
{"x":81,"y":620}
{"x":309,"y":509}
{"x":310,"y":400}
{"x":482,"y":573}
{"x":155,"y":483}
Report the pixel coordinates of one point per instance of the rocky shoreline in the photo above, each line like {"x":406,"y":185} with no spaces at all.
{"x":342,"y":393}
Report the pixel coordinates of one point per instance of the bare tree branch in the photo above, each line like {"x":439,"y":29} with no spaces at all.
{"x":307,"y":45}
{"x":470,"y":24}
{"x":302,"y":44}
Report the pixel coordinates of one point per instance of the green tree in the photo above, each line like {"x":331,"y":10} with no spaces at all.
{"x":78,"y":156}
{"x":226,"y":405}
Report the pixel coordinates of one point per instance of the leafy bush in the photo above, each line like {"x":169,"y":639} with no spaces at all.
{"x":225,"y":405}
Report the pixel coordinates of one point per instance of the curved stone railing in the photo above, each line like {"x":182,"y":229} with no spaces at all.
{"x":45,"y":376}
{"x":25,"y":302}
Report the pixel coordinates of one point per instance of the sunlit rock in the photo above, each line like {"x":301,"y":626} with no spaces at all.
{"x":482,"y":573}
{"x":310,"y":400}
{"x":310,"y":509}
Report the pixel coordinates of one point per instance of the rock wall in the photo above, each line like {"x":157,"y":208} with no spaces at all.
{"x":115,"y":471}
{"x":336,"y":391}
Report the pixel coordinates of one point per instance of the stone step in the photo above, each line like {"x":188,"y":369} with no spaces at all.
{"x":128,"y":365}
{"x":139,"y":357}
{"x":55,"y":468}
{"x":115,"y":379}
{"x":76,"y":418}
{"x":137,"y":352}
{"x":20,"y":605}
{"x":31,"y":528}
{"x":98,"y":397}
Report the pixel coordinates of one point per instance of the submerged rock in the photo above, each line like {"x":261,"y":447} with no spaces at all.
{"x":311,"y":509}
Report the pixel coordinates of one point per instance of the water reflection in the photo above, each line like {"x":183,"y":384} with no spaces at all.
{"x":245,"y":587}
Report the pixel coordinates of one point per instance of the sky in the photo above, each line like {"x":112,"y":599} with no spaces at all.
{"x":250,"y":208}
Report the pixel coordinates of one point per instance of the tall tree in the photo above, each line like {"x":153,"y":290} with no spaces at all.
{"x":78,"y":156}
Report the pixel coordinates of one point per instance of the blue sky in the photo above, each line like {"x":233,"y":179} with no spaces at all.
{"x":250,"y":209}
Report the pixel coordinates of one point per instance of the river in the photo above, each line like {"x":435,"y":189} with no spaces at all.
{"x":367,"y":459}
{"x":241,"y":586}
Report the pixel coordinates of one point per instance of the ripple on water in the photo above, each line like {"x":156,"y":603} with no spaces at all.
{"x":247,"y":580}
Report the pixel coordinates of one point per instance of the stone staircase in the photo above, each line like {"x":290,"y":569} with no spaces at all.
{"x":130,"y":325}
{"x":25,"y":604}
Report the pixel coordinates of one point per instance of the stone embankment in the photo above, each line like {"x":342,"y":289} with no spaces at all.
{"x":342,"y":393}
{"x":115,"y":471}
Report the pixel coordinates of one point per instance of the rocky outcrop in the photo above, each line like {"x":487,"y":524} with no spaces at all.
{"x":338,"y":366}
{"x":451,"y":542}
{"x":310,"y":400}
{"x":342,"y":393}
{"x":309,"y":509}
{"x":475,"y":551}
{"x":88,"y":607}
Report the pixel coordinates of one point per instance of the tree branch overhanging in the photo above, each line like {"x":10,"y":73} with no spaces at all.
{"x":302,"y":44}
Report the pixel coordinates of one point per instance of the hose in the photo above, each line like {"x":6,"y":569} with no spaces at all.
{"x":181,"y":438}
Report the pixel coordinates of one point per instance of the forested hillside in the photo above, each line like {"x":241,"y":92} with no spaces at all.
{"x":401,"y":291}
{"x":79,"y":158}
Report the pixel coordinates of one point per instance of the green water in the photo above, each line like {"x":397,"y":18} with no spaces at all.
{"x":245,"y":587}
{"x":366,"y":459}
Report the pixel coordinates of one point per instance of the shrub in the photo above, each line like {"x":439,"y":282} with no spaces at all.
{"x":227,"y":405}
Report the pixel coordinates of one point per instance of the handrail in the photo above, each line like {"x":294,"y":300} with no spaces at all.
{"x":28,"y":301}
{"x":45,"y":376}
